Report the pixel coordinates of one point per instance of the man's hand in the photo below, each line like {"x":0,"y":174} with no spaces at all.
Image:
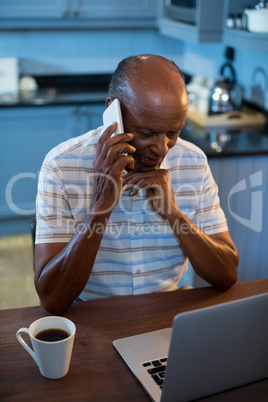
{"x":158,"y":187}
{"x":214,"y":257}
{"x":113,"y":155}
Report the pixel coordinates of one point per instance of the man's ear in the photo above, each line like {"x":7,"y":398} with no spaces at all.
{"x":108,"y":101}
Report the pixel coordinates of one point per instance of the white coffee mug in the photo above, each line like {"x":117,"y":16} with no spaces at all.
{"x":52,"y":358}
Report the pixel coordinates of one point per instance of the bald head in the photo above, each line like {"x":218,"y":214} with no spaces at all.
{"x":146,"y":73}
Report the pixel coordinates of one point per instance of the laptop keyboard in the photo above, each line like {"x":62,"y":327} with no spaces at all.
{"x":156,"y":369}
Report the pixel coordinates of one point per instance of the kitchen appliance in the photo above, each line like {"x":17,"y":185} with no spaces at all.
{"x":181,"y":10}
{"x":9,"y":75}
{"x":225,"y":96}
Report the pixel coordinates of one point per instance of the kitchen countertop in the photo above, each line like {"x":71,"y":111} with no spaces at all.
{"x":61,"y":90}
{"x":52,"y":97}
{"x":226,"y":142}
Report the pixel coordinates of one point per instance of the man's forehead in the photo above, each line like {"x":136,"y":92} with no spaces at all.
{"x":155,"y":101}
{"x":153,"y":89}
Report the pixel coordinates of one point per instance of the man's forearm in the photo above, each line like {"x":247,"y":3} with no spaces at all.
{"x":214,"y":258}
{"x":64,"y":277}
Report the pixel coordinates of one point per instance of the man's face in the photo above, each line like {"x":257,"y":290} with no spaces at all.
{"x":156,"y":127}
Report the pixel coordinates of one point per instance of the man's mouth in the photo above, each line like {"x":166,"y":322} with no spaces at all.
{"x":150,"y":162}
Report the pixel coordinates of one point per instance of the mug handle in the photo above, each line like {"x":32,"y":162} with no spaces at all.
{"x":24,"y":344}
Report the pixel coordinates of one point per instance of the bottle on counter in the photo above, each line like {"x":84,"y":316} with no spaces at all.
{"x":230,"y":22}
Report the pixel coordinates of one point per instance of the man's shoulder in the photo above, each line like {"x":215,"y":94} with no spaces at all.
{"x":186,"y":153}
{"x":76,"y":147}
{"x":189,"y":147}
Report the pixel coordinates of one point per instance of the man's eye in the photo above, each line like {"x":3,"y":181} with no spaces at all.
{"x":147,"y":134}
{"x":172,"y":134}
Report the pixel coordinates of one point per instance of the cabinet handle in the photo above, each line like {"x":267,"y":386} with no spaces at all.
{"x":84,"y":111}
{"x":74,"y":110}
{"x":74,"y":14}
{"x":66,"y":13}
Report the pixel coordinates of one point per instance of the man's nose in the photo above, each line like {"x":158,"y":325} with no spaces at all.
{"x":160,"y":146}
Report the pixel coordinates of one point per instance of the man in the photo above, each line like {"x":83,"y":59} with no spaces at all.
{"x":123,"y":214}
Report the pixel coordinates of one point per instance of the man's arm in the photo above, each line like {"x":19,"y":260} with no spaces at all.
{"x":213,"y":257}
{"x":62,"y":270}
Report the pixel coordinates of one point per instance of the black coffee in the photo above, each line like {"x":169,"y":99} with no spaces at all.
{"x":52,"y":335}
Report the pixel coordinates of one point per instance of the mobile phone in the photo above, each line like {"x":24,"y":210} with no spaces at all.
{"x":112,"y":114}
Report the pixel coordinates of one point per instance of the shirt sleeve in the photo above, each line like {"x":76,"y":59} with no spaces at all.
{"x":54,"y":220}
{"x":209,"y":215}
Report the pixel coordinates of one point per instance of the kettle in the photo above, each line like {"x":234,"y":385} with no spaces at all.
{"x":225,"y":96}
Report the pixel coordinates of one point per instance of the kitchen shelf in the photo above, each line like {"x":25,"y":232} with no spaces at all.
{"x":245,"y":40}
{"x":187,"y":32}
{"x":239,"y":38}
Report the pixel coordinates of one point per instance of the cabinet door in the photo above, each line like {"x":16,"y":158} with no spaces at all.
{"x":72,"y":14}
{"x":32,"y":8}
{"x":27,"y":135}
{"x":90,"y":117}
{"x":114,"y":8}
{"x":244,"y":195}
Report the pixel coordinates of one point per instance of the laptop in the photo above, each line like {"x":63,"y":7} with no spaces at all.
{"x":208,"y":350}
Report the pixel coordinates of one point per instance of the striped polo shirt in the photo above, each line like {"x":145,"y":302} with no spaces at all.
{"x":138,"y":252}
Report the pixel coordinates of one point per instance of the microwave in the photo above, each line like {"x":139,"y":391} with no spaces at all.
{"x":181,"y":10}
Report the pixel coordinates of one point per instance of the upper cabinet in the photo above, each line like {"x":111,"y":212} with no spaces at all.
{"x":114,"y":8}
{"x":17,"y":9}
{"x":89,"y":14}
{"x":235,"y":31}
{"x":197,"y":21}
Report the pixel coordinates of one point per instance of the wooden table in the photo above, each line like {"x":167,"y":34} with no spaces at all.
{"x":97,"y":372}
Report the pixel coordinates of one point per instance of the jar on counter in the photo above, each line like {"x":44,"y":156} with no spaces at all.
{"x":193,"y":89}
{"x":198,"y":90}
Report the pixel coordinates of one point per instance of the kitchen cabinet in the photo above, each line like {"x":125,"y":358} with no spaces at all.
{"x":238,"y":158}
{"x":206,"y":29}
{"x":27,"y":135}
{"x":90,"y":14}
{"x":244,"y":196}
{"x":241,"y":38}
{"x":85,"y":118}
{"x":114,"y":8}
{"x":12,"y":9}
